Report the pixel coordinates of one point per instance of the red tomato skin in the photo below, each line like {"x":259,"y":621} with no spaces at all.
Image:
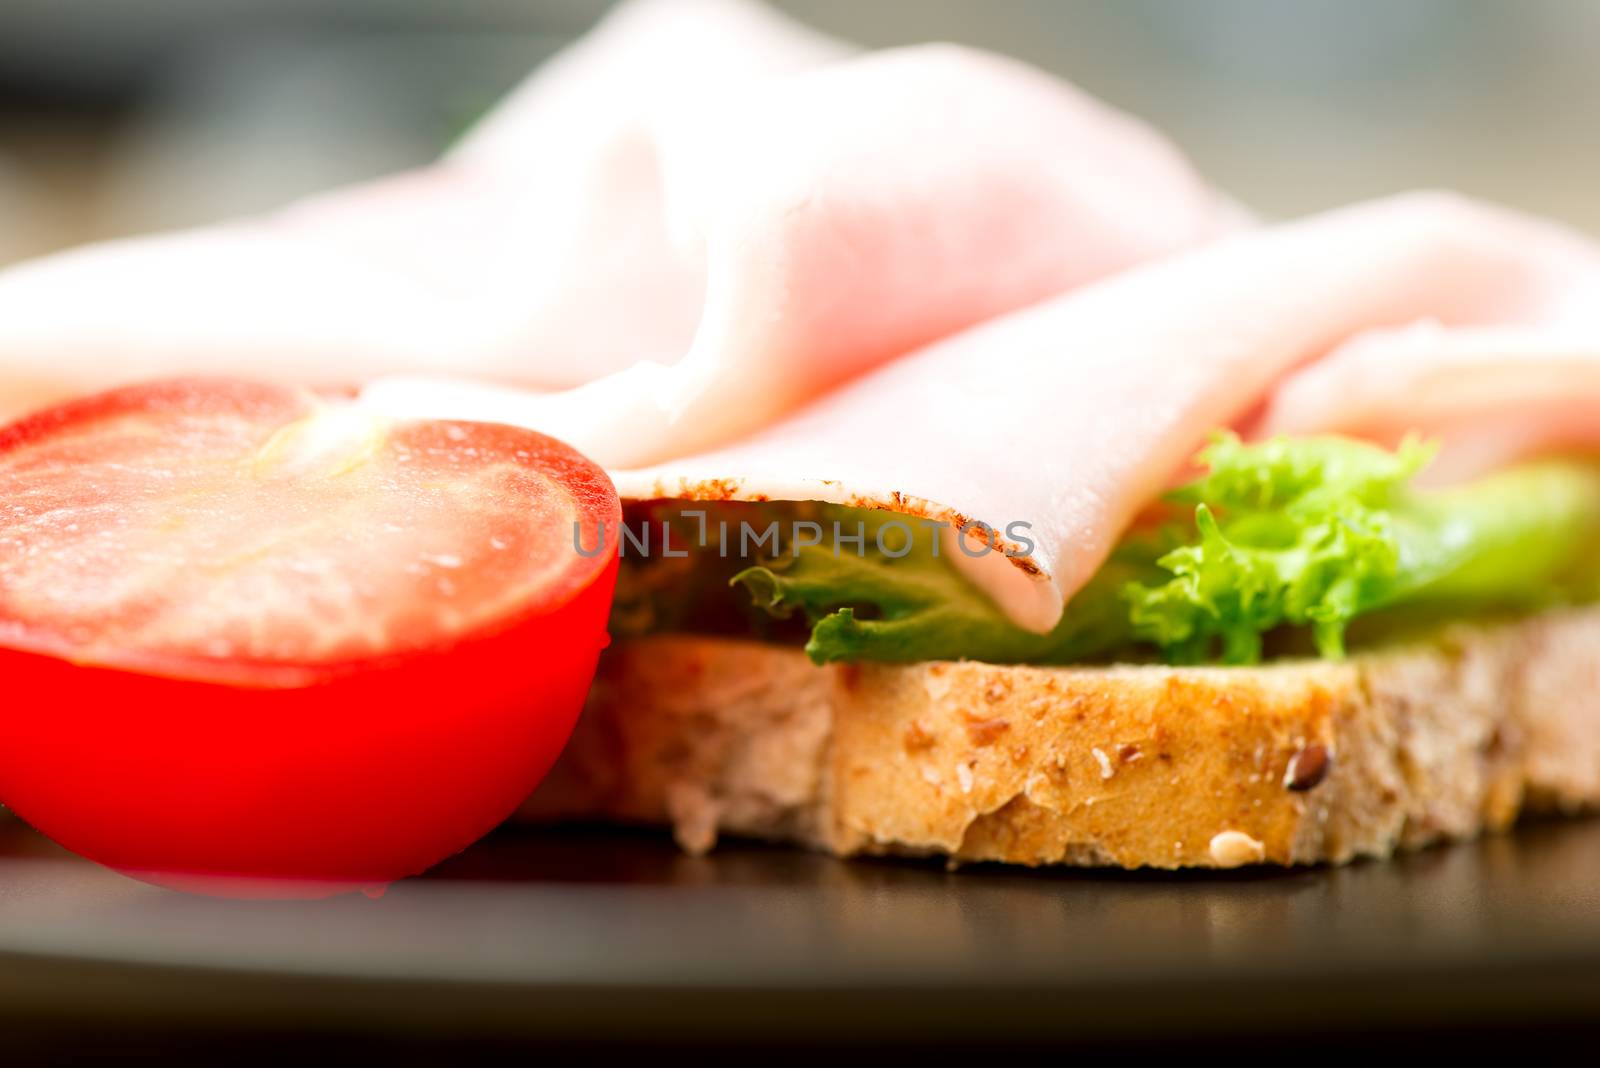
{"x":270,"y":792}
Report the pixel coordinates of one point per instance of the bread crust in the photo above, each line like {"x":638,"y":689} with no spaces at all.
{"x":1125,"y":766}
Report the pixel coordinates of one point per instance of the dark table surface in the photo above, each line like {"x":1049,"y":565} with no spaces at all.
{"x":571,"y":936}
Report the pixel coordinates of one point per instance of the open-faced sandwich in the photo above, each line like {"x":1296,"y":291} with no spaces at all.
{"x":993,"y":489}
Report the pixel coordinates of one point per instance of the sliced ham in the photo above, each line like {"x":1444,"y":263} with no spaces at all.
{"x":1488,"y":394}
{"x":696,"y":220}
{"x":1073,"y":414}
{"x":510,"y":258}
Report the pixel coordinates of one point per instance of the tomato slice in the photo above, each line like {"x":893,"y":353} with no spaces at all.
{"x":253,"y":633}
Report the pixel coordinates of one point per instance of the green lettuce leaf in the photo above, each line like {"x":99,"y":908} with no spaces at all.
{"x":1290,"y":534}
{"x":917,"y":606}
{"x":1289,"y":531}
{"x":1316,"y":532}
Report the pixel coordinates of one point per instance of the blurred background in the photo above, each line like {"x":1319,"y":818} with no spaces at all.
{"x":121,"y":116}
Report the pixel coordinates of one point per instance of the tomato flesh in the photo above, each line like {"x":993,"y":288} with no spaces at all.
{"x":251,"y":633}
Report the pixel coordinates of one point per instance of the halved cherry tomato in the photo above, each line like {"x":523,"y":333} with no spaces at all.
{"x":247,"y":631}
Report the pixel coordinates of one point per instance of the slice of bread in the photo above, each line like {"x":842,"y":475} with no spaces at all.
{"x":1127,"y":766}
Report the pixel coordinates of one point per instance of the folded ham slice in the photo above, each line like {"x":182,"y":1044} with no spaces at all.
{"x":1073,"y":414}
{"x":1490,"y":393}
{"x":694,"y":221}
{"x":514,"y":257}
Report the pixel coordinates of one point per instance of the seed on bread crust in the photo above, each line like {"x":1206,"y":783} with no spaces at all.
{"x":1307,"y":768}
{"x":985,"y":731}
{"x":918,"y":737}
{"x":1230,"y":849}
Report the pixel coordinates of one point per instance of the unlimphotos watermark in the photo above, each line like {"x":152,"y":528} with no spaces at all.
{"x":893,"y":538}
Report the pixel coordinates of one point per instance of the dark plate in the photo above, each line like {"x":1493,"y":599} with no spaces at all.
{"x":577,"y":935}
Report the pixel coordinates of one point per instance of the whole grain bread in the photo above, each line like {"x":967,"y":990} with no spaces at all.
{"x":1128,"y":766}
